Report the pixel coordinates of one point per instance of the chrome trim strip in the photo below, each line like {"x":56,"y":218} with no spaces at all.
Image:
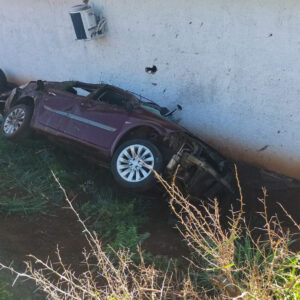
{"x":80,"y":119}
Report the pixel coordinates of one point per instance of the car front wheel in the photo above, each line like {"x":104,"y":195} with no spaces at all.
{"x":15,"y":125}
{"x":133,"y":164}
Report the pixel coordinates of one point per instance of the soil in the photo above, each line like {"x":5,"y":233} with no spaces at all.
{"x":40,"y":235}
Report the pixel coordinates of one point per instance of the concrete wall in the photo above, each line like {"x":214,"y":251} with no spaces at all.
{"x":234,"y":65}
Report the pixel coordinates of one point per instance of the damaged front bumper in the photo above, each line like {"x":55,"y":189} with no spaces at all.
{"x":201,"y":170}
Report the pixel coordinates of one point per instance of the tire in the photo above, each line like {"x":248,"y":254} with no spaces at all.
{"x":3,"y":81}
{"x":16,"y":123}
{"x":130,"y":171}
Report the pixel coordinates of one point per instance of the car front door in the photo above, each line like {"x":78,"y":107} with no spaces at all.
{"x":98,"y":121}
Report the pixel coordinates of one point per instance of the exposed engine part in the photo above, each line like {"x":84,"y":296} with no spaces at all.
{"x":190,"y":159}
{"x":173,"y":163}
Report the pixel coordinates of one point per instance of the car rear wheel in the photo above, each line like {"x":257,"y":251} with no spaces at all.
{"x":15,"y":125}
{"x":133,"y":162}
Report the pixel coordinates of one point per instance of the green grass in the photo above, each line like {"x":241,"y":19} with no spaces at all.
{"x":26,"y":184}
{"x":27,"y":187}
{"x":4,"y":292}
{"x":116,"y":216}
{"x":286,"y":273}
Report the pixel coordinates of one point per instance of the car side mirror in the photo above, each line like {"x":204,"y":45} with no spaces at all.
{"x":164,"y":111}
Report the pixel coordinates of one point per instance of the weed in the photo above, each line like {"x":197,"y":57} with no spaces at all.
{"x":237,"y":262}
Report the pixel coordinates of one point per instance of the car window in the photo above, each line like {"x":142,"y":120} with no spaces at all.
{"x":81,"y":92}
{"x":112,"y":98}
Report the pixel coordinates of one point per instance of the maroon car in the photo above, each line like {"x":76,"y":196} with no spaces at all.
{"x":128,"y":133}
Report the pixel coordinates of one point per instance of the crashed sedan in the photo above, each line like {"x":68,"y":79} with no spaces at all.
{"x":127,"y":133}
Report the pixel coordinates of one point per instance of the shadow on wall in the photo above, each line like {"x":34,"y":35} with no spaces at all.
{"x":17,"y":78}
{"x":263,"y":157}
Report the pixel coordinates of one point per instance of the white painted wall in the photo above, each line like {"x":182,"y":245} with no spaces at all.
{"x":233,"y":64}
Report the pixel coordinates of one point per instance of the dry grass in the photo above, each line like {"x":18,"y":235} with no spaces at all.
{"x":241,"y":263}
{"x":238,"y":264}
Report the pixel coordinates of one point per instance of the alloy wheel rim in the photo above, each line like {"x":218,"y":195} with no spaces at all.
{"x":135,"y":163}
{"x":14,"y":121}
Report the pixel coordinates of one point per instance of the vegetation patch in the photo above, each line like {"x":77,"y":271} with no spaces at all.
{"x":238,"y":263}
{"x":27,"y":187}
{"x":4,"y":292}
{"x":227,"y":262}
{"x":117,"y":218}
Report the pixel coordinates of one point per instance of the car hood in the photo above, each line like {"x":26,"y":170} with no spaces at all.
{"x":172,"y":127}
{"x":153,"y":118}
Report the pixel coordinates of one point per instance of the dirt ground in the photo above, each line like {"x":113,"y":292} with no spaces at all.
{"x":39,"y":236}
{"x":20,"y":236}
